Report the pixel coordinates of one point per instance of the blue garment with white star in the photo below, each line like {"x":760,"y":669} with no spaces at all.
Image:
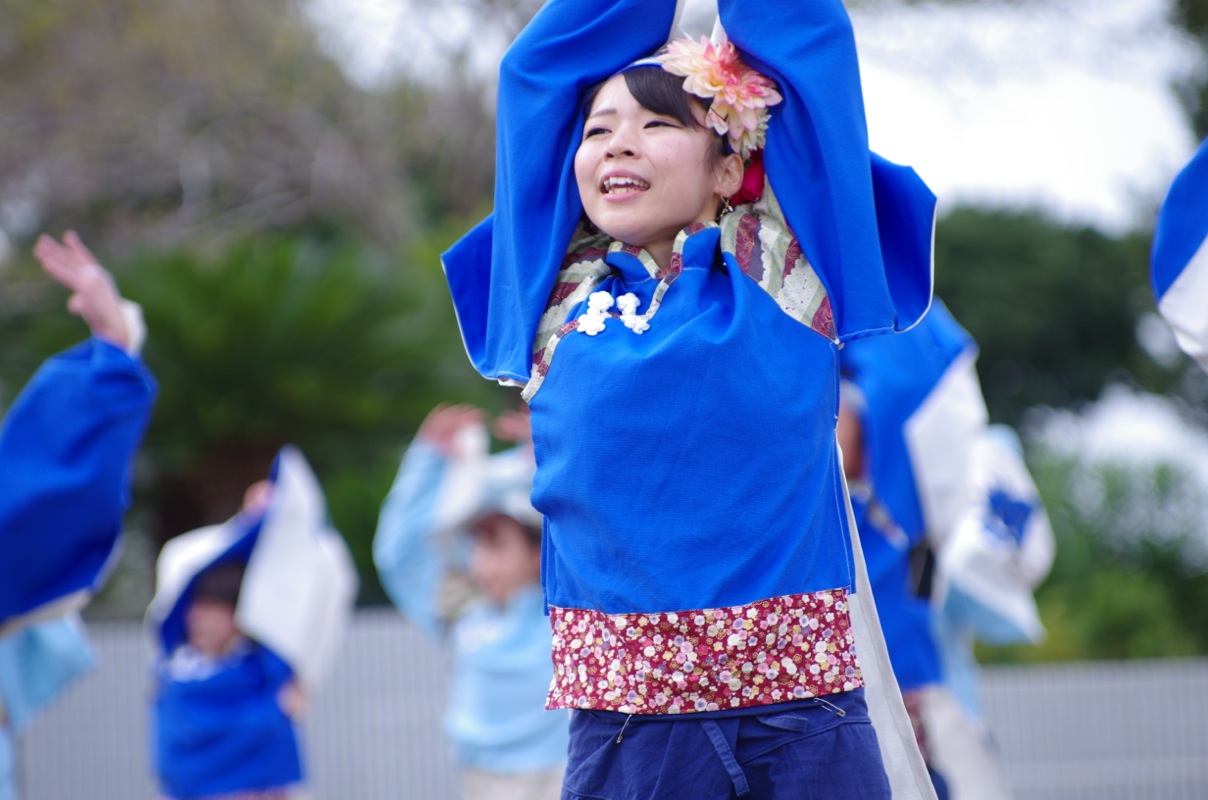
{"x":218,"y":728}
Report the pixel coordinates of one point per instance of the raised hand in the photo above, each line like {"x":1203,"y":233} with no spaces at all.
{"x":443,"y":423}
{"x":94,"y":295}
{"x":514,"y":426}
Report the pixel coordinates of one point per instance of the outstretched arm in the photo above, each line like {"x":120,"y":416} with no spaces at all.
{"x":406,"y":552}
{"x":66,"y":444}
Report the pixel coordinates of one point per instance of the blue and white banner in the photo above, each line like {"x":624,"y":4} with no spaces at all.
{"x":1001,"y":550}
{"x":1179,"y":261}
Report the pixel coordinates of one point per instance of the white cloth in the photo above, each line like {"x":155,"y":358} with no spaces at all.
{"x":300,"y":583}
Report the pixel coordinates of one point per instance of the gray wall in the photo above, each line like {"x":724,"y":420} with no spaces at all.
{"x":1090,"y":731}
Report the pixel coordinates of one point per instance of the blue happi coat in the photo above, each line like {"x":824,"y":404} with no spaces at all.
{"x":896,"y":376}
{"x":654,"y":450}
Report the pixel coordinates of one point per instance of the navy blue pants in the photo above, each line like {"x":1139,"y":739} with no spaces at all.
{"x":823,"y":748}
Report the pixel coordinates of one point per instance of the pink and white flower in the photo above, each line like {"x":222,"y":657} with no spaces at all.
{"x":740,"y":96}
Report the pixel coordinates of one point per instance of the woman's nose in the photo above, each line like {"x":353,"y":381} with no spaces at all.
{"x":621,"y":143}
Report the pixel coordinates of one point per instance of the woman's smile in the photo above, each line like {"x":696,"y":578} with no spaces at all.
{"x":623,"y":185}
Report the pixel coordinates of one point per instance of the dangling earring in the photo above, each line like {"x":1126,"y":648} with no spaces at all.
{"x":726,"y":208}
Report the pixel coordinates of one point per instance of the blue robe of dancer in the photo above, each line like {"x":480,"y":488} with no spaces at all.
{"x":218,"y":726}
{"x":865,"y":227}
{"x":896,"y":375}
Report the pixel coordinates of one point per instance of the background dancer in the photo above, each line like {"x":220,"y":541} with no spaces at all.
{"x":65,"y":450}
{"x":458,"y":548}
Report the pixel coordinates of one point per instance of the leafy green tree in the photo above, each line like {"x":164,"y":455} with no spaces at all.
{"x":1053,"y":309}
{"x":158,"y":124}
{"x":1192,"y":16}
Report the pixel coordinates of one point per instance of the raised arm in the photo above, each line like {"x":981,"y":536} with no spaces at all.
{"x":501,"y":273}
{"x":406,"y":546}
{"x":66,"y":444}
{"x":864,"y":224}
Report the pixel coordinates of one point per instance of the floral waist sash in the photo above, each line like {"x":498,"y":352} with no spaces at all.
{"x":776,"y":650}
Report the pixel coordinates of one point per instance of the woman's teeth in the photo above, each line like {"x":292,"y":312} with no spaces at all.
{"x":619,"y":184}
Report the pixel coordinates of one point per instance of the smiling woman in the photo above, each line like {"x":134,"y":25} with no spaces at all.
{"x":702,"y":582}
{"x":638,"y":168}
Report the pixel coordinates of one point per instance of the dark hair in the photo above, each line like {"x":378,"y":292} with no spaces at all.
{"x":659,"y":91}
{"x":220,"y":583}
{"x":488,"y":526}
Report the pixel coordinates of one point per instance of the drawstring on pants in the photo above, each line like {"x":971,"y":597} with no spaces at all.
{"x":737,"y":777}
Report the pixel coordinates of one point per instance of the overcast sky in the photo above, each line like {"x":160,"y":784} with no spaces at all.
{"x":1062,"y":103}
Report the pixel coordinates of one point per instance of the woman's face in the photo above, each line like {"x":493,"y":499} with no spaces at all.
{"x":643,"y":176}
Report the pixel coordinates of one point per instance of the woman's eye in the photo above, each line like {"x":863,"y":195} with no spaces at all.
{"x":590,"y":132}
{"x":661,"y":123}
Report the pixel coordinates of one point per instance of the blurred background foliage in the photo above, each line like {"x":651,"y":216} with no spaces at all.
{"x":1053,"y":309}
{"x":281,"y":224}
{"x":1113,"y":593}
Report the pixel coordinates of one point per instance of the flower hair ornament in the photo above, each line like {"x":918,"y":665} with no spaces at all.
{"x":739,"y":96}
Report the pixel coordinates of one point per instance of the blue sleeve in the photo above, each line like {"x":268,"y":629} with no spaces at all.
{"x":864,"y":224}
{"x":37,"y":663}
{"x":1179,"y":258}
{"x":65,"y":451}
{"x":502,"y":272}
{"x":408,"y":562}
